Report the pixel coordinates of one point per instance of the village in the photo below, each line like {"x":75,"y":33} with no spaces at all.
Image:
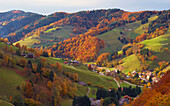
{"x":140,"y":78}
{"x":144,"y":77}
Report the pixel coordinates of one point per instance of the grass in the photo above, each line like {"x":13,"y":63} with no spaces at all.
{"x":57,"y":59}
{"x":29,"y":41}
{"x":94,"y":78}
{"x":123,"y":84}
{"x":158,"y":42}
{"x":131,"y":63}
{"x":111,"y":41}
{"x":66,"y":102}
{"x":92,"y":93}
{"x":50,"y":37}
{"x":83,"y":67}
{"x":141,"y":29}
{"x":8,"y":81}
{"x":89,"y":76}
{"x":111,"y":37}
{"x":4,"y":103}
{"x":81,"y":90}
{"x":52,"y":29}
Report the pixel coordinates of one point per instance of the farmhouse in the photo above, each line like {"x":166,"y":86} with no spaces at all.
{"x":82,"y":83}
{"x":148,"y":75}
{"x":30,"y":55}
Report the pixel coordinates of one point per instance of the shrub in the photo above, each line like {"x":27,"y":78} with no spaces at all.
{"x":22,"y":62}
{"x":89,"y":83}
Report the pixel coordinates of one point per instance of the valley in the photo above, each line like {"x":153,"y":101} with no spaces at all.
{"x":96,"y":57}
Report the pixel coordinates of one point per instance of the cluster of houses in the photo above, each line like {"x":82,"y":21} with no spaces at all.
{"x":72,"y":62}
{"x":128,"y":29}
{"x":105,"y":72}
{"x":121,"y":101}
{"x":28,"y":55}
{"x":145,"y":76}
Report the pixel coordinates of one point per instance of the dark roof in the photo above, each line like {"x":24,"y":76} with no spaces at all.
{"x":82,"y":83}
{"x":30,"y":54}
{"x":123,"y":100}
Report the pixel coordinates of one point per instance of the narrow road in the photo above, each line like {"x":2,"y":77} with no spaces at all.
{"x":88,"y":92}
{"x":117,"y":82}
{"x":72,"y":66}
{"x":132,"y":84}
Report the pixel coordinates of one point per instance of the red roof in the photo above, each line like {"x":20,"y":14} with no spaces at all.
{"x":65,"y":62}
{"x":126,"y":96}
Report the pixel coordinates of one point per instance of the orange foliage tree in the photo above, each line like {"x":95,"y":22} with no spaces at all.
{"x":158,"y":94}
{"x":102,"y":59}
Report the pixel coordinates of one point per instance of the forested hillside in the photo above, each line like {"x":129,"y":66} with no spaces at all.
{"x":13,"y":21}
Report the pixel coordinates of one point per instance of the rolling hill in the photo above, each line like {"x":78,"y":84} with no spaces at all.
{"x":15,"y":20}
{"x":111,"y":37}
{"x":153,"y":44}
{"x":14,"y":76}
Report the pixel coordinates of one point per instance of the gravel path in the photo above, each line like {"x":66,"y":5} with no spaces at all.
{"x":117,"y":82}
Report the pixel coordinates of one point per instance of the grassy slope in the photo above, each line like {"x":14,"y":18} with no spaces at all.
{"x":4,"y":103}
{"x":111,"y":41}
{"x":131,"y":62}
{"x":8,"y":81}
{"x":141,"y":29}
{"x":51,"y":34}
{"x":88,"y":76}
{"x":29,"y":41}
{"x":52,"y":29}
{"x":111,"y":37}
{"x":158,"y":42}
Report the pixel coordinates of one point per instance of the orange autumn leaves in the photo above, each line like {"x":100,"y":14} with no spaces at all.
{"x":158,"y":95}
{"x":102,"y":59}
{"x":83,"y":48}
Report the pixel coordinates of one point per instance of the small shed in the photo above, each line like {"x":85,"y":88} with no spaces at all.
{"x":65,"y":62}
{"x":126,"y":96}
{"x":82,"y":83}
{"x":30,"y":55}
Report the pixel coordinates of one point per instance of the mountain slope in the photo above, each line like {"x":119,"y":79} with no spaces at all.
{"x":154,"y":45}
{"x":14,"y":20}
{"x":111,"y":37}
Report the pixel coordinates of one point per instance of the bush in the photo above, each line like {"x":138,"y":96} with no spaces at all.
{"x":110,"y":100}
{"x":18,"y":52}
{"x":89,"y":83}
{"x":144,"y":21}
{"x":45,"y":54}
{"x":22,"y":62}
{"x":81,"y":101}
{"x":1,"y":54}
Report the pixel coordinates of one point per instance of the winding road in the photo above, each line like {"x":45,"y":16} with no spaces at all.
{"x":126,"y":83}
{"x":117,"y":82}
{"x":88,"y":92}
{"x":132,"y":84}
